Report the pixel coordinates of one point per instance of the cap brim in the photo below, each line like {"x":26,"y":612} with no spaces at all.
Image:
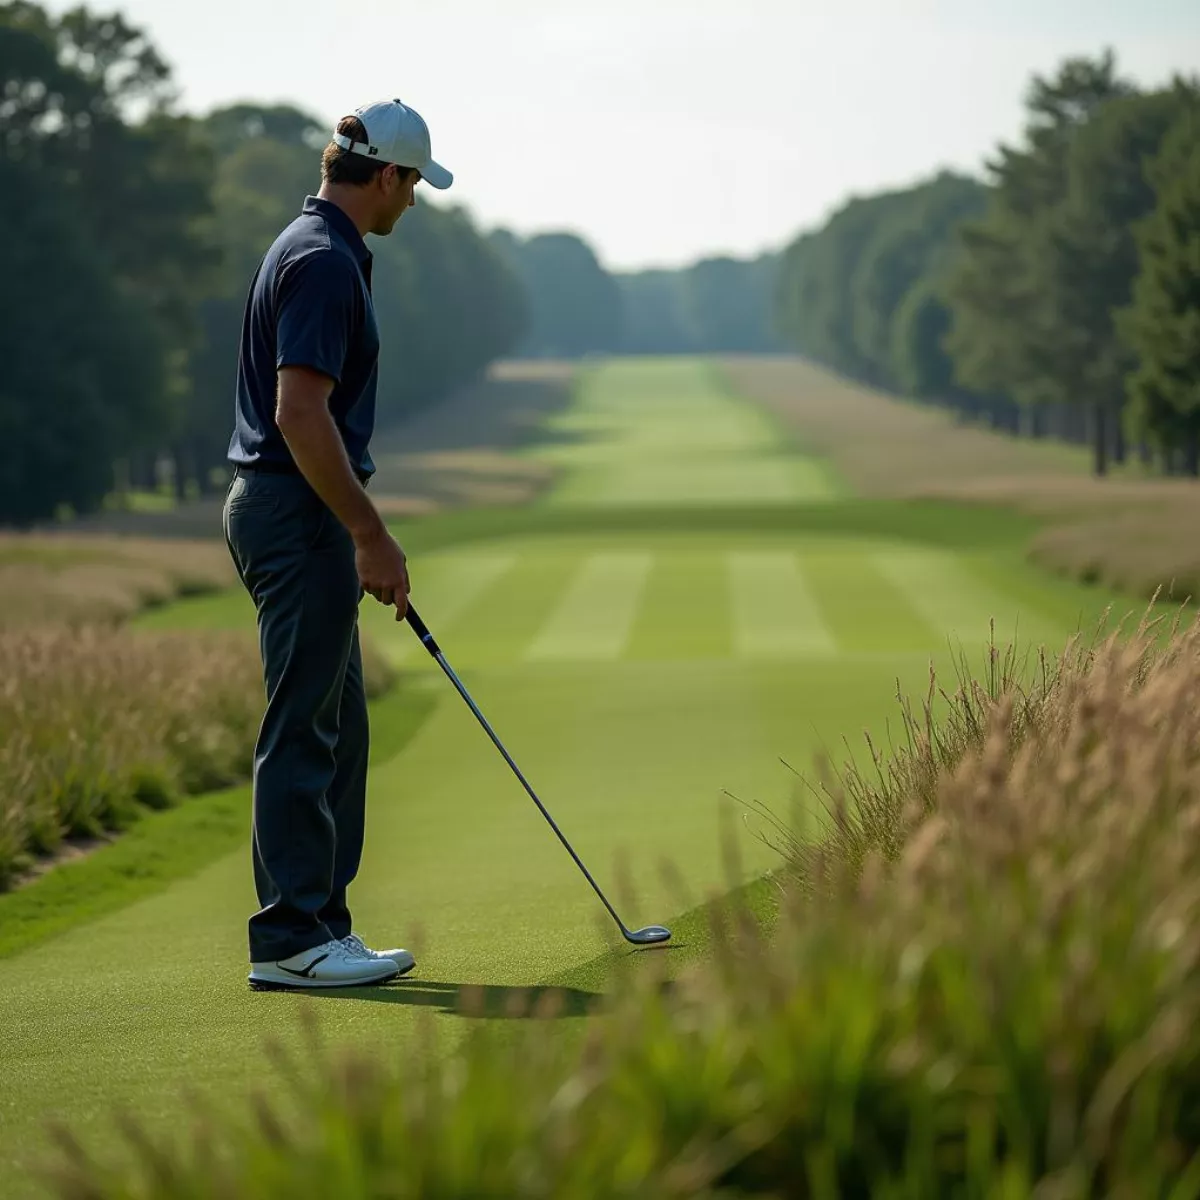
{"x":436,"y":176}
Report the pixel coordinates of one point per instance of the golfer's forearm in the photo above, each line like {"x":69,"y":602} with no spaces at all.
{"x":313,"y":439}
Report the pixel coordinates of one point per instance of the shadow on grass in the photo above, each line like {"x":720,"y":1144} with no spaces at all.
{"x":489,"y":1001}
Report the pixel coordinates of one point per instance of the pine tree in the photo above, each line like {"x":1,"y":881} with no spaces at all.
{"x":1162,"y":325}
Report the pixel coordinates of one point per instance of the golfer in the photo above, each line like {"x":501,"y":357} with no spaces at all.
{"x":308,"y":543}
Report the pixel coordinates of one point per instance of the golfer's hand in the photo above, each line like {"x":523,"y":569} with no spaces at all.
{"x":383,"y":570}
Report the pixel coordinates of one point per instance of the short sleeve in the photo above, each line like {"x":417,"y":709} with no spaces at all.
{"x":314,"y":312}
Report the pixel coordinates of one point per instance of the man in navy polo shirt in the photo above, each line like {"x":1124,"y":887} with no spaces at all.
{"x":308,"y":543}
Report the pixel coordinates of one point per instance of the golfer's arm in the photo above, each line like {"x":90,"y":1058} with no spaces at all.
{"x":303,"y":416}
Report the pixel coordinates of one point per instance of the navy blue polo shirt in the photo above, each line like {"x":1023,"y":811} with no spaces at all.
{"x":310,"y":306}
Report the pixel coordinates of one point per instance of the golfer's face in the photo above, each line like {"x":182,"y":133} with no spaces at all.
{"x":402,"y":198}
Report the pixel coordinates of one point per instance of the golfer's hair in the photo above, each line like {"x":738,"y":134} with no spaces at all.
{"x":340,"y":166}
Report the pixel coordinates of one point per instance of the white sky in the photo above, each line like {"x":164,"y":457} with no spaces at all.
{"x":666,"y":129}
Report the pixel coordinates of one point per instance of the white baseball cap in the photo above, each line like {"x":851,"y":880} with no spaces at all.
{"x":397,"y":134}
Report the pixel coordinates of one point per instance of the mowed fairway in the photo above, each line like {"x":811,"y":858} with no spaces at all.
{"x":661,"y":434}
{"x":637,"y":672}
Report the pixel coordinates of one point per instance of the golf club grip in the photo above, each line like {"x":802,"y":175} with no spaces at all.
{"x":422,"y":631}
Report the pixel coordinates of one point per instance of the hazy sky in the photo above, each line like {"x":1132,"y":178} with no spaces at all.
{"x":665,"y":129}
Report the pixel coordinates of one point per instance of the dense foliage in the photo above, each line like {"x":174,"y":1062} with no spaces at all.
{"x":843,"y":291}
{"x":574,"y":308}
{"x":1056,"y":295}
{"x":577,"y":307}
{"x":1005,"y":296}
{"x":132,"y":232}
{"x":1162,"y":325}
{"x":719,"y":305}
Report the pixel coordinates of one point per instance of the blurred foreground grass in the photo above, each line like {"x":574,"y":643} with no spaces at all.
{"x":982,"y":981}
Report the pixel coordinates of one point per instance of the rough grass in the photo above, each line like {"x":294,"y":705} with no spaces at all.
{"x":1129,"y":532}
{"x":101,"y":724}
{"x":469,"y":450}
{"x":78,"y":579}
{"x":892,"y":448}
{"x":988,"y":984}
{"x":1136,"y":551}
{"x":164,"y":847}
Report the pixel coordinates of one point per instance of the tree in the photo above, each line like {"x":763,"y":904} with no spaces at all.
{"x":574,"y":304}
{"x":726,"y":304}
{"x":89,"y":106}
{"x":795,"y":292}
{"x":73,"y":347}
{"x":283,"y":124}
{"x":1161,"y":327}
{"x":910,"y":243}
{"x":1090,"y":257}
{"x":1006,"y":287}
{"x":152,"y":225}
{"x":843,"y":291}
{"x":448,"y":304}
{"x":652,"y":318}
{"x":923,"y":369}
{"x":817,"y":299}
{"x":719,"y":305}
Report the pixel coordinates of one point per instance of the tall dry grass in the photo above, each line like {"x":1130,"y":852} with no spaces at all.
{"x":893,"y":448}
{"x":987,"y":987}
{"x":1136,"y":551}
{"x":1127,"y":531}
{"x":100,"y":723}
{"x":76,"y":579}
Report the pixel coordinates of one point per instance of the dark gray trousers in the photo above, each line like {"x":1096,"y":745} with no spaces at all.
{"x":296,"y":560}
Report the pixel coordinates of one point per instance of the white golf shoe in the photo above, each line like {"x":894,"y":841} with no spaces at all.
{"x":334,"y":964}
{"x":402,"y":958}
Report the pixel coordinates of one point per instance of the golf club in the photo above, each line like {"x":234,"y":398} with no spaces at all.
{"x":638,"y":937}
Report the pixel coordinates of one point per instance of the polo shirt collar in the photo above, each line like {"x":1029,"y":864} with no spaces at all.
{"x":315,"y":206}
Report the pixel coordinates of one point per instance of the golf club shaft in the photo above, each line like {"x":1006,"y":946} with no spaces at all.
{"x":427,"y":640}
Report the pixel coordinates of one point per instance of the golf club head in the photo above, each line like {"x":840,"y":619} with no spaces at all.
{"x":648,"y":936}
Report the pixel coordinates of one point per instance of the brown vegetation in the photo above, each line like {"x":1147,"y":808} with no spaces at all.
{"x":78,"y":579}
{"x":1126,"y":531}
{"x":983,"y":981}
{"x":99,"y":723}
{"x":464,"y":451}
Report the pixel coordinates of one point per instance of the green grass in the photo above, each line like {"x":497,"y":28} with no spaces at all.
{"x":659,"y":433}
{"x":164,"y":847}
{"x":691,"y":937}
{"x":158,"y":850}
{"x":644,"y":718}
{"x":231,"y":609}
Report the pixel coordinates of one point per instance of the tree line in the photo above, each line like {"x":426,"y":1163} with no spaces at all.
{"x":131,"y":233}
{"x":1060,"y":295}
{"x":1057,"y":296}
{"x":577,"y":307}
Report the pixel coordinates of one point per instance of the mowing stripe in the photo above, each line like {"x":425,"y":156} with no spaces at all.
{"x":864,"y":612}
{"x":443,"y":590}
{"x":684,"y":614}
{"x":594,"y":617}
{"x":774,"y":613}
{"x":954,"y":602}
